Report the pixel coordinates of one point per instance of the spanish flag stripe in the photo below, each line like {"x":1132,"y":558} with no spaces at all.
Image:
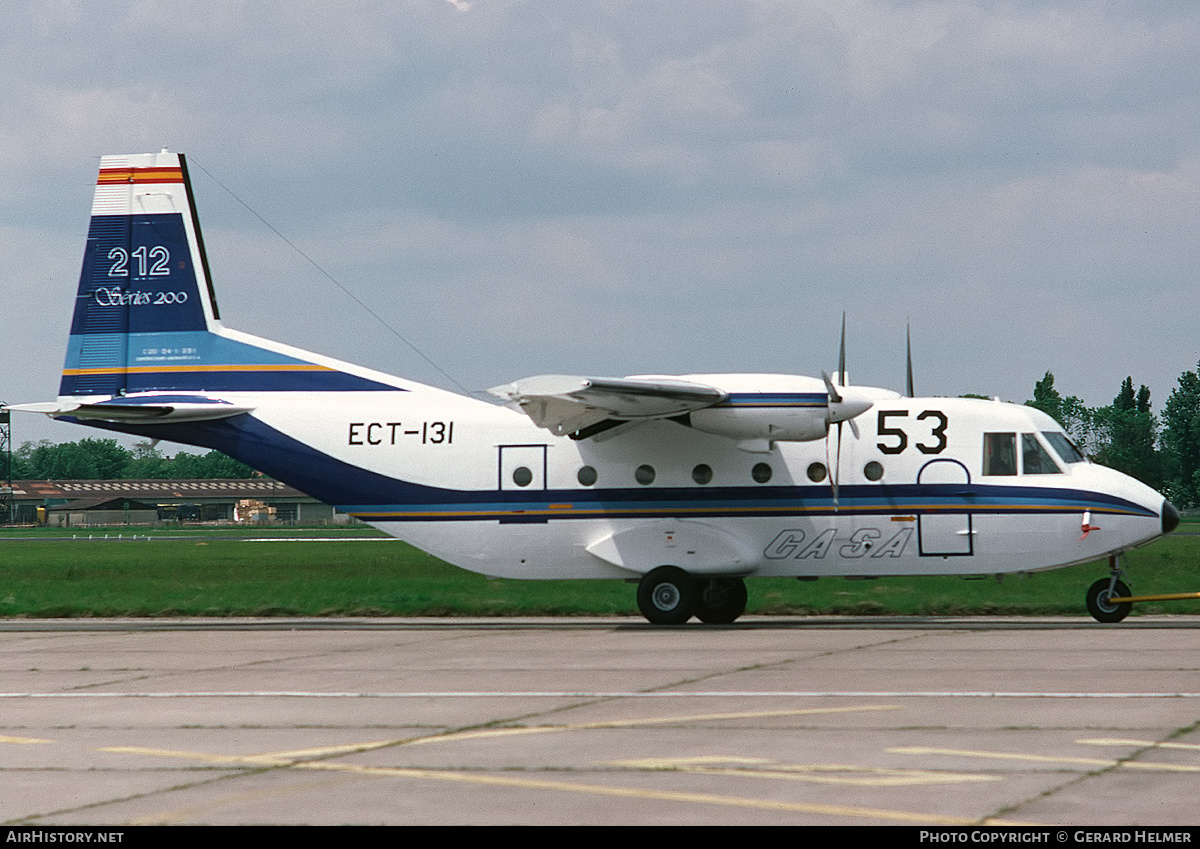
{"x":109,"y":176}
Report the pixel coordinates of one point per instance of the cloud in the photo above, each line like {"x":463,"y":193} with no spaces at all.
{"x":616,"y":187}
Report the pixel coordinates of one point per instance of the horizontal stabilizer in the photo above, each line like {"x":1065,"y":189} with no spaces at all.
{"x":157,"y":408}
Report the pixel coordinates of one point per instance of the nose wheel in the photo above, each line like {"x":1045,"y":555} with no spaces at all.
{"x":1100,"y":604}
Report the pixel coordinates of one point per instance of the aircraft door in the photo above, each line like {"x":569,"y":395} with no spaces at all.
{"x":946,"y":534}
{"x":522,"y":467}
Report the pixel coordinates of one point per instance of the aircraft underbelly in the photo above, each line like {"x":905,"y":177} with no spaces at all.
{"x":865,"y":546}
{"x":540,"y":551}
{"x":630,"y":547}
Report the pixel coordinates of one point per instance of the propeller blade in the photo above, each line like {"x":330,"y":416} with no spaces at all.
{"x":908,"y":358}
{"x":837,"y":468}
{"x":843,"y":405}
{"x":832,"y":467}
{"x":835,"y":397}
{"x":841,"y":372}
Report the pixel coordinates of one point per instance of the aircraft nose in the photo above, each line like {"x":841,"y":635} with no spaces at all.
{"x":1170,"y":517}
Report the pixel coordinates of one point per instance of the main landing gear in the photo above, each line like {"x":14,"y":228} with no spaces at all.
{"x":670,"y":596}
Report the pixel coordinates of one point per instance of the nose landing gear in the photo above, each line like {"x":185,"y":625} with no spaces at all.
{"x":1100,"y":595}
{"x":1100,"y":602}
{"x":1109,"y":599}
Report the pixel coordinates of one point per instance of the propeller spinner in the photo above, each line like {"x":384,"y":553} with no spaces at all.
{"x":844,"y":403}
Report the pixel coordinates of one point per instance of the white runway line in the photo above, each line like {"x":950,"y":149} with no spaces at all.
{"x":600,"y":694}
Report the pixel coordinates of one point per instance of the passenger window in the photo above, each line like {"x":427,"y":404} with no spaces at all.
{"x":999,"y":453}
{"x":1034,"y":458}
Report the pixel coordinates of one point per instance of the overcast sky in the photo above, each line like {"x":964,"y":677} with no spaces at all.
{"x":613,"y":188}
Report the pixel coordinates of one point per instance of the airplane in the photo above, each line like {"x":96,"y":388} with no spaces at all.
{"x":685,"y":484}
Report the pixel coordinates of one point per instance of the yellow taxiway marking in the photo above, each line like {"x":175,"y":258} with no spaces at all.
{"x":293,"y":760}
{"x":328,"y":751}
{"x":246,"y":760}
{"x":1105,"y":741}
{"x":659,"y":795}
{"x":1012,"y":756}
{"x":560,"y":786}
{"x":685,"y":763}
{"x":631,"y":723}
{"x":23,"y":740}
{"x":860,"y":776}
{"x":287,"y":757}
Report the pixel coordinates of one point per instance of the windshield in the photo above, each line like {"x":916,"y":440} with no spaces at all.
{"x":1034,"y":458}
{"x":1063,"y":446}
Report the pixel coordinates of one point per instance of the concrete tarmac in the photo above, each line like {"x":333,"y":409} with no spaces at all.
{"x":822,"y":720}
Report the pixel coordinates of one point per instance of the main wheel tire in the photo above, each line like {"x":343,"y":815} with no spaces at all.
{"x":721,"y":600}
{"x":1101,"y":608}
{"x":667,"y":595}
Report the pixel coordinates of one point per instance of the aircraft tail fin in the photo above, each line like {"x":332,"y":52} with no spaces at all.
{"x":144,"y":289}
{"x":146,"y":318}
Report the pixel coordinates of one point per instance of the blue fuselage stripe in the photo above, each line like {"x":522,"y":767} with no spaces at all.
{"x":774,"y":400}
{"x":373,"y":496}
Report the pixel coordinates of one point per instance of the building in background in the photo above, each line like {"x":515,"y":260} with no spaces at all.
{"x":80,"y":504}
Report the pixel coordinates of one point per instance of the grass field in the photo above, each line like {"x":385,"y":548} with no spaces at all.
{"x":218,"y":572}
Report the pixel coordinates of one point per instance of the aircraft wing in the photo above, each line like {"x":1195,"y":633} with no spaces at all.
{"x":566,"y":403}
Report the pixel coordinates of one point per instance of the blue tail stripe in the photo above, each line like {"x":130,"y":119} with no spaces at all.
{"x":138,"y":277}
{"x":139,"y":323}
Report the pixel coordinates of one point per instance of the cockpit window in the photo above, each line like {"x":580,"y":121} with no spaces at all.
{"x":999,"y":453}
{"x":1035,"y":460}
{"x":1064,"y":447}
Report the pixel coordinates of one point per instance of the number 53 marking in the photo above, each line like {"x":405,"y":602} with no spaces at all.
{"x":938,"y":432}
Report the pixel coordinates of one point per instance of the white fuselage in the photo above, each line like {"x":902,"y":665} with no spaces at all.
{"x":660,"y":492}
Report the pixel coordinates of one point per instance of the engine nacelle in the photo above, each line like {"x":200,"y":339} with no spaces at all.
{"x":774,"y":424}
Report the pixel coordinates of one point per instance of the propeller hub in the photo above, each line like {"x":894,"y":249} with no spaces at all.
{"x":846,"y":405}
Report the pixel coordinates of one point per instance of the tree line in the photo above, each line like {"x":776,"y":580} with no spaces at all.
{"x":1161,"y":451}
{"x":105,"y":459}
